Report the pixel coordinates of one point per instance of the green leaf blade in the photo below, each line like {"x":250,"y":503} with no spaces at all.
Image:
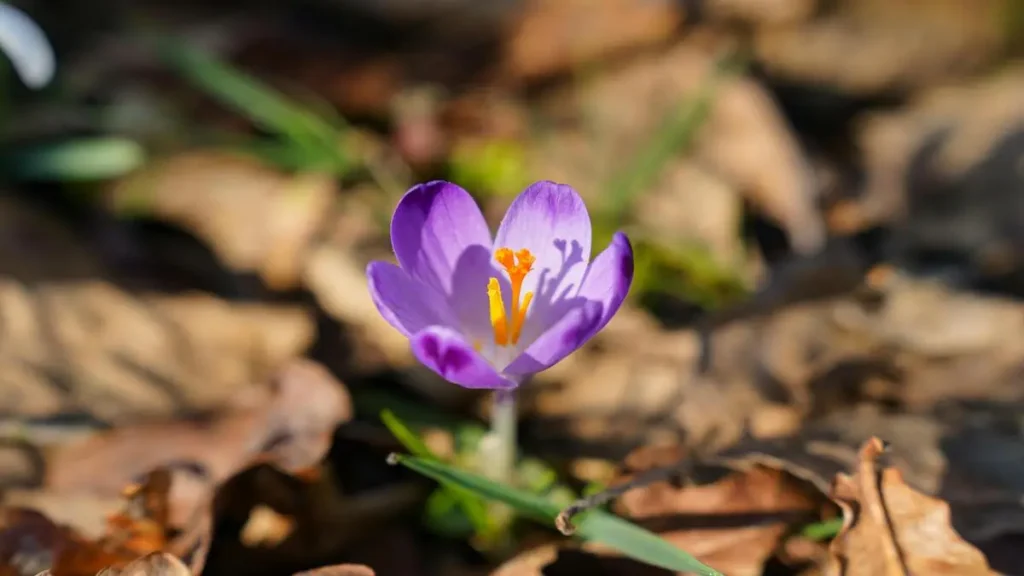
{"x":596,"y":526}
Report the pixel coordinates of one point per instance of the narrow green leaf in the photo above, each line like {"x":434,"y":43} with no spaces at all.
{"x":823,"y":530}
{"x":596,"y":525}
{"x":88,"y":159}
{"x":471,"y":504}
{"x":258,"y":102}
{"x":406,"y":436}
{"x":673,"y":135}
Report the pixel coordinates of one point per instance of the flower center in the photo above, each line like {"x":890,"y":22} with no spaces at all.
{"x":517,"y":265}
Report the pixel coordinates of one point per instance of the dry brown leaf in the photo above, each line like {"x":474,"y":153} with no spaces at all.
{"x":91,"y":347}
{"x":978,"y":115}
{"x":964,"y":457}
{"x":339,"y":570}
{"x":890,"y":529}
{"x":290,"y":424}
{"x":555,"y":36}
{"x":138,"y":528}
{"x":528,"y":563}
{"x":154,"y":564}
{"x":552,"y":560}
{"x":31,"y":543}
{"x":733,"y":524}
{"x":744,"y":149}
{"x":164,"y":564}
{"x":761,"y":12}
{"x":867,"y":46}
{"x":254,"y":219}
{"x":930,"y":166}
{"x":640,"y":383}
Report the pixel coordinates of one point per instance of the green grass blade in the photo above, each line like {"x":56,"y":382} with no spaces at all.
{"x":824,"y":530}
{"x":673,"y":136}
{"x":251,"y":98}
{"x":471,"y":504}
{"x":406,"y":436}
{"x":81,"y":160}
{"x":596,"y":525}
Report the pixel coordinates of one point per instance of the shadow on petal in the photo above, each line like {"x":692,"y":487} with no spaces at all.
{"x":563,"y":338}
{"x":468,"y":298}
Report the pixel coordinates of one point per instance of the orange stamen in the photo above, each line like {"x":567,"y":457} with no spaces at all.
{"x":517,"y":265}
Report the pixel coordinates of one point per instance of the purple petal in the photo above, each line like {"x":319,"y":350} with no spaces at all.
{"x":406,"y":304}
{"x":558,"y":341}
{"x":446,"y":352}
{"x":432,"y":228}
{"x":605,"y":286}
{"x":551,"y":221}
{"x":608,"y":278}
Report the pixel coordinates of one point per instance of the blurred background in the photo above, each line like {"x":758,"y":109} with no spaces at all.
{"x":826,"y":200}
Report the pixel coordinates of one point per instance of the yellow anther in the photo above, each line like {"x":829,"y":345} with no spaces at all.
{"x":517,"y":264}
{"x":498,"y":320}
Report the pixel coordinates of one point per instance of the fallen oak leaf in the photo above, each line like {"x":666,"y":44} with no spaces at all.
{"x":890,"y":529}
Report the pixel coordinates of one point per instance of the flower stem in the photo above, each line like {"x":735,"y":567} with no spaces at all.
{"x":503,"y":433}
{"x":497,"y":460}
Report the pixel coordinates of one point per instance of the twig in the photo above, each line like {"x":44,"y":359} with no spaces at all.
{"x":564,"y":519}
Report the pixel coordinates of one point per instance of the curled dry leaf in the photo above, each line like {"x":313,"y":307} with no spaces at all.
{"x":965,"y":457}
{"x":289,"y":423}
{"x":254,"y":218}
{"x":890,"y":529}
{"x":734,"y":523}
{"x":91,"y":347}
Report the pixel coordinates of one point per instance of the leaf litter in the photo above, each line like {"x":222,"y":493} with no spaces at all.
{"x":151,"y":429}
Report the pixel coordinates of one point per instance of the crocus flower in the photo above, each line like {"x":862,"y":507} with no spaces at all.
{"x":487,"y":312}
